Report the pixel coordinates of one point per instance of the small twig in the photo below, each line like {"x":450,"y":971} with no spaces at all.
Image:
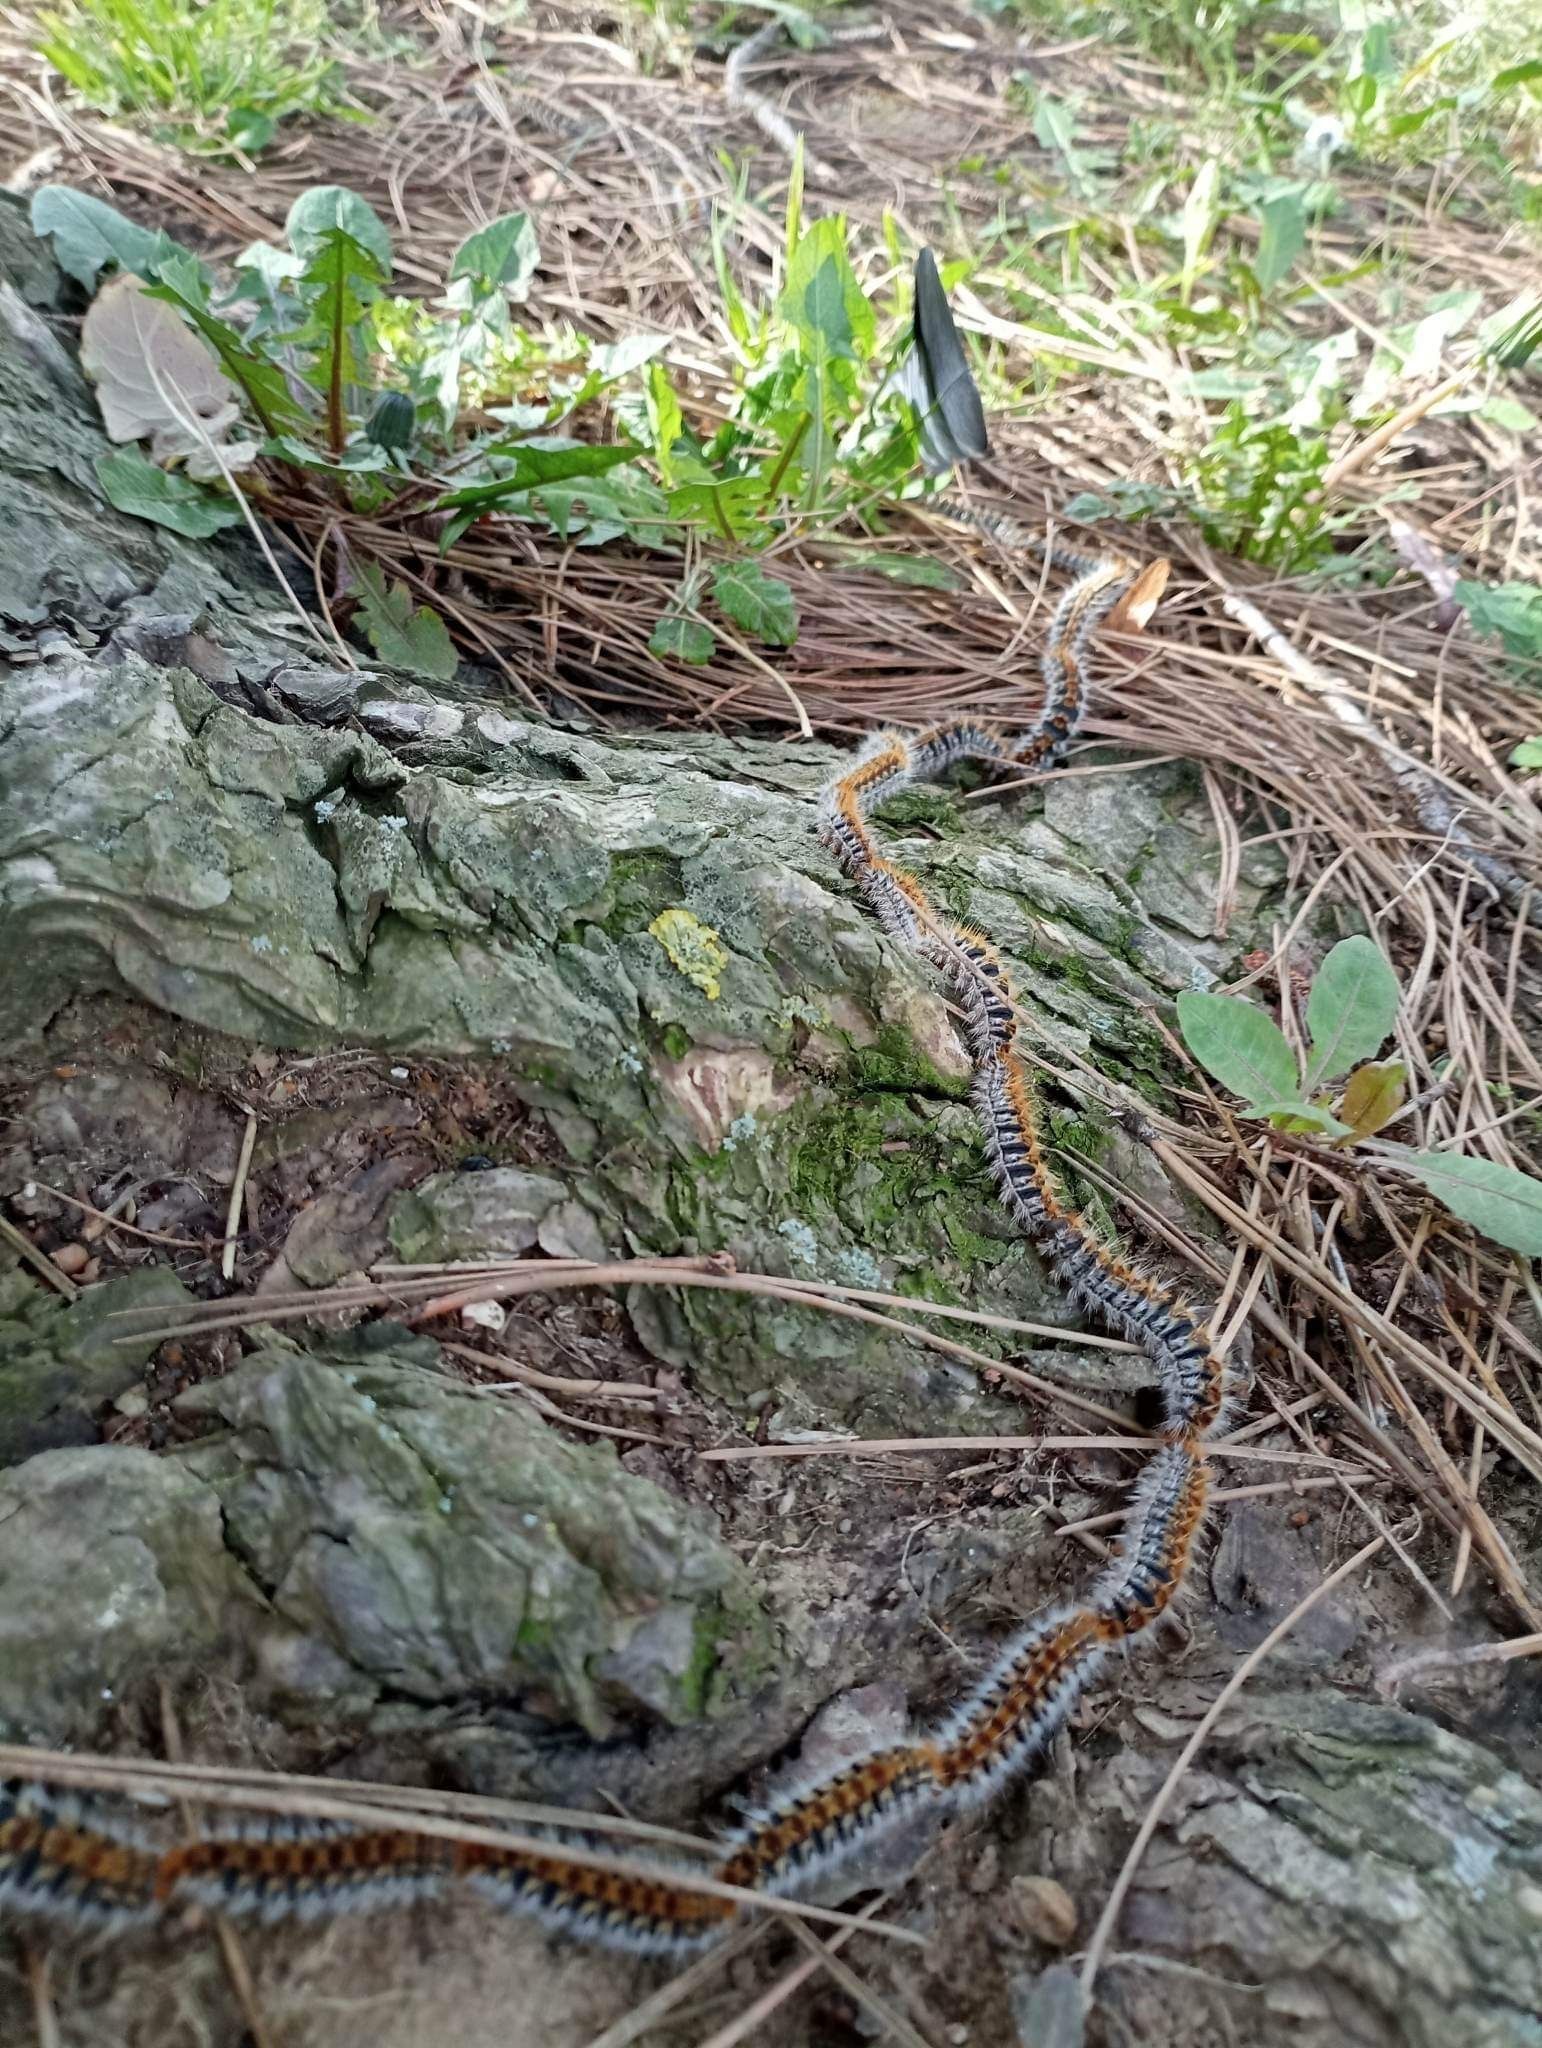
{"x":44,"y":1266}
{"x":44,"y":2018}
{"x":237,"y":1190}
{"x":183,"y":1244}
{"x":1474,"y":1653}
{"x":1273,"y":1486}
{"x":1366,"y":451}
{"x":1148,"y":1827}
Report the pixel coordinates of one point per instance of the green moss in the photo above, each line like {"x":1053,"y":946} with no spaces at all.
{"x":696,"y":1678}
{"x":640,"y":886}
{"x":676,"y":1041}
{"x":937,"y":808}
{"x":894,"y":1062}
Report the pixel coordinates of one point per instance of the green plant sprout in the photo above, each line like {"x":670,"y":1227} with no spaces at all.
{"x":1340,"y":1094}
{"x":455,"y":406}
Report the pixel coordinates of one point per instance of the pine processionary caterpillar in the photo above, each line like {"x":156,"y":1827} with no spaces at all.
{"x":75,"y":1861}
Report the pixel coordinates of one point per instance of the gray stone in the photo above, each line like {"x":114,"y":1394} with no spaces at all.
{"x":60,"y":1362}
{"x":447,"y":1547}
{"x":112,"y":1572}
{"x":491,"y":1215}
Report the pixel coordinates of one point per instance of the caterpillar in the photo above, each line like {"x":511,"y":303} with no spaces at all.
{"x":73,"y":1860}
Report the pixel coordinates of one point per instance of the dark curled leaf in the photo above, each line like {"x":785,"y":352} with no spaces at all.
{"x":936,"y":378}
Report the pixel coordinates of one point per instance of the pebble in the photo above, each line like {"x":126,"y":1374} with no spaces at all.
{"x":1045,"y":1910}
{"x":71,"y":1258}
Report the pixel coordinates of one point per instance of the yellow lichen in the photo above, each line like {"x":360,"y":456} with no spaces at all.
{"x":692,"y":948}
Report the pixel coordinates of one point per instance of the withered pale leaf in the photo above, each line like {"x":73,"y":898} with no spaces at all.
{"x":158,"y":381}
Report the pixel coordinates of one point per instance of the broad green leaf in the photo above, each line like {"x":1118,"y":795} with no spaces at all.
{"x":729,"y":507}
{"x":264,"y":273}
{"x":1054,"y":125}
{"x":546,"y":461}
{"x":504,"y":254}
{"x":1236,"y":1043}
{"x":1282,"y":237}
{"x":315,"y":213}
{"x":406,"y":637}
{"x":1512,"y":612}
{"x":1294,"y":1114}
{"x":136,"y":486}
{"x":1526,"y":73}
{"x":680,"y":639}
{"x":88,"y":235}
{"x":341,"y":279}
{"x":1528,"y":754}
{"x":1508,"y":414}
{"x":1504,"y":1204}
{"x":1351,"y":1009}
{"x":761,"y":604}
{"x":590,"y":510}
{"x":822,"y":299}
{"x":1373,"y":1095}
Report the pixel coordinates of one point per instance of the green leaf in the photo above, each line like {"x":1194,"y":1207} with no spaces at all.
{"x":1245,"y":1051}
{"x":822,"y":299}
{"x":1373,"y":1095}
{"x":134,"y":485}
{"x":1528,"y":754}
{"x":1504,"y":1204}
{"x":325,"y":207}
{"x":609,"y":360}
{"x":88,"y":235}
{"x":250,"y":129}
{"x":1512,"y":612}
{"x":502,"y":255}
{"x":341,"y":278}
{"x":665,"y":421}
{"x":761,"y":604}
{"x":545,"y":461}
{"x":1351,"y":1009}
{"x":1517,"y":74}
{"x":412,"y":639}
{"x":1201,"y":212}
{"x":1292,"y":1113}
{"x":676,"y":638}
{"x":1282,"y":237}
{"x":729,"y":506}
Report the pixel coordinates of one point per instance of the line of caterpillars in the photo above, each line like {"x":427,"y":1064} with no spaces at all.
{"x":78,"y":1861}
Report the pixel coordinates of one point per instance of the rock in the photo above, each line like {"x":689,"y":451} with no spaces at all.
{"x":60,"y":1362}
{"x":1045,"y":1910}
{"x":492,"y":1215}
{"x":112,"y":1572}
{"x":1047,"y":2008}
{"x":1374,"y":1877}
{"x":445,"y":1547}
